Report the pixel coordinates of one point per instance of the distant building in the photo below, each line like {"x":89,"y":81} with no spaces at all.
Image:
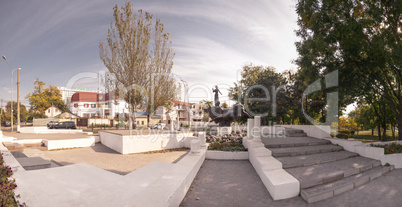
{"x":93,"y":104}
{"x":181,"y":114}
{"x":67,"y":93}
{"x":53,"y":111}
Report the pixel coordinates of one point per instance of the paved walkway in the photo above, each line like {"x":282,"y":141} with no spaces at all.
{"x":235,"y":183}
{"x":231,"y":183}
{"x":105,"y":158}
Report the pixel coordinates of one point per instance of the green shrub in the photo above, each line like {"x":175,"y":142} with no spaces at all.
{"x":344,"y":132}
{"x":7,"y":186}
{"x":387,"y":164}
{"x":342,"y":136}
{"x":227,"y":146}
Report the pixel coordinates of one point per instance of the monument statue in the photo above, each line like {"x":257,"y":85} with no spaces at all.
{"x":221,"y":116}
{"x":216,"y":91}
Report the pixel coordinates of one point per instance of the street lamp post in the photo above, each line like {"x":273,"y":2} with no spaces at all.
{"x":18,"y":96}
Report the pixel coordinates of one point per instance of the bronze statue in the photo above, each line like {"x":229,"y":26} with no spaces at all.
{"x":224,"y":117}
{"x":216,"y":91}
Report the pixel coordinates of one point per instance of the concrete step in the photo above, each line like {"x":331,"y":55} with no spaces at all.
{"x":328,"y":190}
{"x":313,"y":159}
{"x":13,"y":146}
{"x":33,"y":163}
{"x":295,"y":134}
{"x":293,"y":142}
{"x":314,"y":175}
{"x":305,"y":150}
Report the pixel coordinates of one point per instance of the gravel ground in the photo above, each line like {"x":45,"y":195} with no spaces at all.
{"x":102,"y":157}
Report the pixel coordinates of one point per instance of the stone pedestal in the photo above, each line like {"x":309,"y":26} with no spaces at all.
{"x":257,"y":129}
{"x":202,"y":139}
{"x":224,"y":130}
{"x":250,"y":125}
{"x":195,"y":146}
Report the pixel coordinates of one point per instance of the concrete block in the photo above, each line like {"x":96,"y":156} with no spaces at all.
{"x":250,"y":125}
{"x":280,"y":184}
{"x":260,"y":151}
{"x":69,"y":143}
{"x":267,"y":163}
{"x":195,"y":146}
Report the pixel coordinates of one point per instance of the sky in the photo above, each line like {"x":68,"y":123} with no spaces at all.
{"x":58,"y":41}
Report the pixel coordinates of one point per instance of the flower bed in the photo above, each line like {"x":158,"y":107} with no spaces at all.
{"x":227,"y":146}
{"x":389,"y":148}
{"x":7,"y":186}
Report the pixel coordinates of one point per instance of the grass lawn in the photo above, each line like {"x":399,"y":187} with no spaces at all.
{"x":366,"y":136}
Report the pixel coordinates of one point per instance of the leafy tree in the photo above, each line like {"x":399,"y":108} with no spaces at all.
{"x":42,"y":98}
{"x":139,"y":63}
{"x":361,"y":39}
{"x":24,"y":114}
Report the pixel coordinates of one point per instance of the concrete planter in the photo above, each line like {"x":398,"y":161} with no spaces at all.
{"x":226,"y":155}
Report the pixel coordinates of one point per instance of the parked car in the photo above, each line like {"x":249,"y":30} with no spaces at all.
{"x":159,"y":126}
{"x":51,"y":123}
{"x":6,"y":123}
{"x":64,"y":125}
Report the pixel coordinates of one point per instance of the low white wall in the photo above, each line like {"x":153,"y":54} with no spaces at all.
{"x":144,"y":143}
{"x":222,"y":155}
{"x":316,"y":131}
{"x":10,"y":160}
{"x":69,"y":143}
{"x":279,"y":183}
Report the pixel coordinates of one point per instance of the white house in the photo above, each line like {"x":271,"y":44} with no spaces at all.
{"x":53,"y":111}
{"x":93,"y":104}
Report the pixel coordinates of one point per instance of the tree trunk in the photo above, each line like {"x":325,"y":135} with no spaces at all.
{"x":148,"y":120}
{"x":372,"y":131}
{"x":384,"y":134}
{"x":400,"y":126}
{"x":379,"y":132}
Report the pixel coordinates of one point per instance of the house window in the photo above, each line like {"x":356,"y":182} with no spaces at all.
{"x":75,"y":105}
{"x":193,"y":113}
{"x":168,"y":121}
{"x":142,"y":122}
{"x":48,"y":111}
{"x":86,"y":105}
{"x":200,"y":113}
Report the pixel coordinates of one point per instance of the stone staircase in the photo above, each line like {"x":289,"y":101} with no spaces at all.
{"x":323,"y":170}
{"x":289,"y":132}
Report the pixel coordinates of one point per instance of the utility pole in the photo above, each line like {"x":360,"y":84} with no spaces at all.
{"x":18,"y":100}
